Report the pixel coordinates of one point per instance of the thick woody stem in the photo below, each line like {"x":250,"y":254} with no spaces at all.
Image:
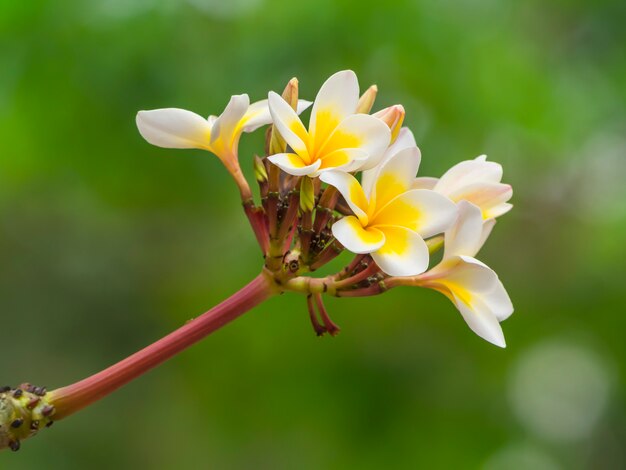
{"x":70,"y":399}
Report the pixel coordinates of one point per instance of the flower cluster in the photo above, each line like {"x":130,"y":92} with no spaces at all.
{"x":347,"y":181}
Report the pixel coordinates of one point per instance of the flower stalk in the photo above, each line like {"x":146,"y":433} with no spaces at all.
{"x":70,"y":399}
{"x":392,"y":220}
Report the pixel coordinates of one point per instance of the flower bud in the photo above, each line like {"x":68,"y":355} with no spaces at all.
{"x":260,"y":173}
{"x":307,"y":195}
{"x":366,"y":101}
{"x":290,"y":94}
{"x":393,"y":116}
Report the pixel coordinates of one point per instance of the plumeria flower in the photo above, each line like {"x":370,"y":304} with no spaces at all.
{"x":471,"y":285}
{"x":391,"y":220}
{"x":476,"y":181}
{"x":337,"y":138}
{"x":182,"y":129}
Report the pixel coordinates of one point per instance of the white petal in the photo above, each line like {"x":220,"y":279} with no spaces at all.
{"x":465,"y":237}
{"x":346,"y":160}
{"x":351,"y":234}
{"x":289,"y":125}
{"x":174,"y":128}
{"x":351,"y":190}
{"x":359,"y":131}
{"x":258,"y":114}
{"x":481,"y":283}
{"x":487,"y":228}
{"x":395,"y":176}
{"x":424,"y":182}
{"x":227,"y":124}
{"x":498,"y":210}
{"x":294,"y":165}
{"x":404,"y":253}
{"x":426,"y":212}
{"x":488,"y":196}
{"x":405,"y":140}
{"x":482,"y":321}
{"x":469,"y":172}
{"x":337,"y":99}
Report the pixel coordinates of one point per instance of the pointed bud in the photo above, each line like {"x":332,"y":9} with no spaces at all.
{"x":260,"y":173}
{"x":393,"y":116}
{"x":366,"y":101}
{"x":290,"y":94}
{"x":307,"y":194}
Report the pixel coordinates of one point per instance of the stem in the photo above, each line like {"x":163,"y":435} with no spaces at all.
{"x":70,"y":399}
{"x":351,"y":281}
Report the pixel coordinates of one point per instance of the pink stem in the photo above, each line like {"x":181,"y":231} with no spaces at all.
{"x":68,"y":400}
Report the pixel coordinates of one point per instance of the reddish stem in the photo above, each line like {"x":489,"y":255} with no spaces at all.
{"x":68,"y":400}
{"x":351,"y":281}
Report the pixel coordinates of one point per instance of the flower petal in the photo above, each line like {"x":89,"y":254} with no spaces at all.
{"x":476,"y":291}
{"x":293,"y":164}
{"x":359,"y":131}
{"x":395,"y":176}
{"x":481,"y":321}
{"x":226,"y":126}
{"x":404,"y":253}
{"x":258,"y":114}
{"x":337,"y":99}
{"x":351,"y":190}
{"x":488,"y":196}
{"x":405,"y":140}
{"x":344,"y":159}
{"x":469,"y":172}
{"x":289,"y":125}
{"x":355,"y":238}
{"x":424,"y":182}
{"x":425,"y":212}
{"x":174,"y":128}
{"x":465,"y":237}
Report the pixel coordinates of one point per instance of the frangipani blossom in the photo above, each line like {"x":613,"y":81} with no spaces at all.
{"x":391,"y":220}
{"x":476,"y":181}
{"x":472,"y":286}
{"x":337,"y":138}
{"x":182,"y":129}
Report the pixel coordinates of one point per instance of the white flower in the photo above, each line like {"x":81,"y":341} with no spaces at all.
{"x":182,"y":129}
{"x":337,"y":138}
{"x":472,"y":286}
{"x":391,"y":220}
{"x":476,"y":181}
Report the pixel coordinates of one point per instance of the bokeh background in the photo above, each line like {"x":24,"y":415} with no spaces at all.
{"x":107,"y":243}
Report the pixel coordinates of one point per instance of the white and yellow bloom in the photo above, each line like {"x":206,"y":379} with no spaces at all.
{"x":182,"y":129}
{"x":391,"y":220}
{"x":472,"y":286}
{"x":337,"y":137}
{"x":476,"y":181}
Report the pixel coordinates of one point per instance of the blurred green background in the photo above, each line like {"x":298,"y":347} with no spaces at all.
{"x":107,"y":243}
